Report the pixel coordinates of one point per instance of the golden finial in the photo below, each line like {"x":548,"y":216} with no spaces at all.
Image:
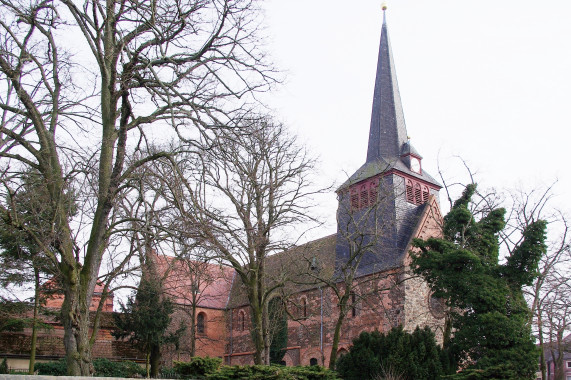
{"x":384,"y":6}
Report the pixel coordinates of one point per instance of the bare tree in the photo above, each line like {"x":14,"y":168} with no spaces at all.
{"x":242,"y":201}
{"x":365,"y":235}
{"x":160,"y":63}
{"x":190,"y":275}
{"x":549,"y":296}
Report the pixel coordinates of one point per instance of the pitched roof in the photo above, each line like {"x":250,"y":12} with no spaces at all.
{"x":388,"y":140}
{"x":211,"y":281}
{"x":299,"y":266}
{"x":387,"y":133}
{"x":379,"y":166}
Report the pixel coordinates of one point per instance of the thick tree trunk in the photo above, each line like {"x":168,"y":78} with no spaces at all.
{"x":76,"y":340}
{"x":76,"y":323}
{"x":257,"y":333}
{"x":155,"y":360}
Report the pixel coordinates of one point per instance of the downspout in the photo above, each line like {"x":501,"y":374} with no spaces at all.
{"x":321,"y":324}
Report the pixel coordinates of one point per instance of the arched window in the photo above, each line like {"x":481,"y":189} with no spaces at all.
{"x":241,"y":320}
{"x":409,"y":192}
{"x":201,"y":323}
{"x":373,"y":193}
{"x":364,"y":196}
{"x":425,"y":194}
{"x":303,"y":308}
{"x":353,"y":304}
{"x":417,"y":194}
{"x":354,"y":199}
{"x":313,"y":361}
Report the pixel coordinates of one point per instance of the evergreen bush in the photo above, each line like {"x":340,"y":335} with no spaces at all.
{"x":107,"y":368}
{"x":273,"y":372}
{"x":4,"y":366}
{"x":55,"y":368}
{"x":197,"y":366}
{"x":412,"y":356}
{"x":103,"y":368}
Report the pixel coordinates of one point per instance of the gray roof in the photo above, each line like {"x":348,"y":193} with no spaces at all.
{"x":387,"y":133}
{"x":388,"y":140}
{"x":407,"y":148}
{"x":381,"y":165}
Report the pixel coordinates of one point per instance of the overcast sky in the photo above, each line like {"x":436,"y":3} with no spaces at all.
{"x":487,"y":81}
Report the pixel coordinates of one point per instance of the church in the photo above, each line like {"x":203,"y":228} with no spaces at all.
{"x":362,"y":271}
{"x":383,"y":206}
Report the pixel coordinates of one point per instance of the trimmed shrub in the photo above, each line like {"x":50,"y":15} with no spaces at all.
{"x":103,"y":368}
{"x":107,"y":368}
{"x":197,"y":366}
{"x":273,"y":372}
{"x":57,"y":368}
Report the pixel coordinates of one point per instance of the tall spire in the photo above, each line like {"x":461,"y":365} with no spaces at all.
{"x":388,"y":130}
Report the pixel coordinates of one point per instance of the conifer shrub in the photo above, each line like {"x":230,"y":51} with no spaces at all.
{"x":197,"y":367}
{"x":54,"y":368}
{"x":273,"y":372}
{"x":4,"y":366}
{"x":411,"y":356}
{"x":107,"y":368}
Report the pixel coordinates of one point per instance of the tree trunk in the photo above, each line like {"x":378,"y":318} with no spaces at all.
{"x":193,"y":329}
{"x":266,"y":334}
{"x":147,"y":363}
{"x":257,"y":334}
{"x":76,"y":340}
{"x":542,"y":366}
{"x":75,"y":319}
{"x":337,"y":334}
{"x":155,"y":360}
{"x":35,"y":320}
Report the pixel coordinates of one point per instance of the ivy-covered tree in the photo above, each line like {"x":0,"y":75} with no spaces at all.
{"x":492,"y":336}
{"x":144,"y":320}
{"x":375,"y":355}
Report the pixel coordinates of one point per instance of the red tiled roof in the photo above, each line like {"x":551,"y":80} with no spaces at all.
{"x":213,"y":281}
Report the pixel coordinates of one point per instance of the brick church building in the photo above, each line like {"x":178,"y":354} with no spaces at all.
{"x":383,"y":206}
{"x":386,"y":203}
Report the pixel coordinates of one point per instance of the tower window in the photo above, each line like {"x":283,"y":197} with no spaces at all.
{"x":409,"y":192}
{"x":425,"y":194}
{"x":364,"y":194}
{"x":373,"y":193}
{"x":416,"y":193}
{"x":354,"y":200}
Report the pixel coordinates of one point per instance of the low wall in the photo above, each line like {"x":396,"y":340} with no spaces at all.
{"x":42,"y":377}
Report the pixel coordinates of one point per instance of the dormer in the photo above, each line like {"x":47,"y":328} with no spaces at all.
{"x":411,"y":158}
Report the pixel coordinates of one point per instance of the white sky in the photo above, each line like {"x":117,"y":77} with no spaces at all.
{"x":488,"y":81}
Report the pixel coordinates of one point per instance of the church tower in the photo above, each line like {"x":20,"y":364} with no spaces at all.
{"x":381,"y":203}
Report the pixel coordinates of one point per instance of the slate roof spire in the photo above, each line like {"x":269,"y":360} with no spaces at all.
{"x":387,"y":133}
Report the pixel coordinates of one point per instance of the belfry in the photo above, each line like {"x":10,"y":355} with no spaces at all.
{"x":381,"y":202}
